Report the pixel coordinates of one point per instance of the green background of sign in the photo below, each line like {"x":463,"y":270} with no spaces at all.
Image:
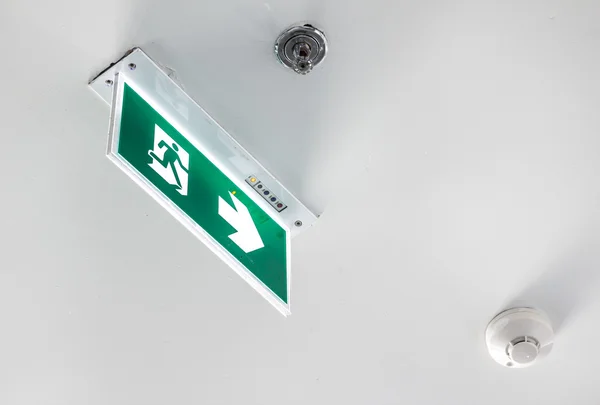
{"x":206,"y":184}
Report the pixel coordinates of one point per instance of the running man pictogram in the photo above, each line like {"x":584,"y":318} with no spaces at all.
{"x":170,"y":161}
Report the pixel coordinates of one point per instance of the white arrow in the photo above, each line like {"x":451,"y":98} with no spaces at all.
{"x":246,"y":237}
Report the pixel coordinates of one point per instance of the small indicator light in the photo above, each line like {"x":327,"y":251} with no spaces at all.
{"x":265,"y":193}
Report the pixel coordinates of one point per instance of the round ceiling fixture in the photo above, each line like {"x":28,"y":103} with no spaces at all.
{"x":519,"y":337}
{"x":301,"y":48}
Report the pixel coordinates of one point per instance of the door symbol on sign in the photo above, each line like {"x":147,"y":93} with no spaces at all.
{"x":170,"y":161}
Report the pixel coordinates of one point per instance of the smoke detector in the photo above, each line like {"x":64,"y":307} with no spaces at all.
{"x":519,"y":337}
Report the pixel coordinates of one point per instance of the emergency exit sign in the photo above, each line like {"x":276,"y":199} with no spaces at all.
{"x":190,"y":181}
{"x":190,"y":165}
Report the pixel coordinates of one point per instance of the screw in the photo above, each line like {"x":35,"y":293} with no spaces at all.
{"x":298,"y":223}
{"x":108,"y":82}
{"x":132,"y":66}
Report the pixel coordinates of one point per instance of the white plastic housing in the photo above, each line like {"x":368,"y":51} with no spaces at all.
{"x":519,"y":337}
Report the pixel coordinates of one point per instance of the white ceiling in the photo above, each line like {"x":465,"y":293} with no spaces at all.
{"x":452,"y":148}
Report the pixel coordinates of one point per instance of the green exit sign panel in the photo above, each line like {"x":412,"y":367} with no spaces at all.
{"x":186,"y":181}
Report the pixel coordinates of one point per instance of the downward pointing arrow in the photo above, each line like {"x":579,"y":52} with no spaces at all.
{"x":246,"y":237}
